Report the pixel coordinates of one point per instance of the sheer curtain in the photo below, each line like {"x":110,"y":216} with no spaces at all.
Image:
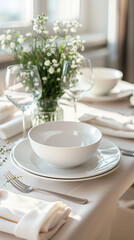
{"x":121,"y":37}
{"x":126,"y":39}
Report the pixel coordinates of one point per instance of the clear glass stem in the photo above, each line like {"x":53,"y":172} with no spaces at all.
{"x":24,"y":123}
{"x":75,"y":109}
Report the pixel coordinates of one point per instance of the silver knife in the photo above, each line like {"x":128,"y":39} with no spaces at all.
{"x":127,"y":152}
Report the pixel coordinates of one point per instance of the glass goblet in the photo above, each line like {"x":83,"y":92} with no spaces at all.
{"x":79,"y":82}
{"x":23,"y":87}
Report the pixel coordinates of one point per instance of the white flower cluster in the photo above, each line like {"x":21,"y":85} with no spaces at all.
{"x":39,"y":24}
{"x":51,"y":66}
{"x":5,"y":37}
{"x":13,"y":39}
{"x":66,"y":27}
{"x":48,"y":53}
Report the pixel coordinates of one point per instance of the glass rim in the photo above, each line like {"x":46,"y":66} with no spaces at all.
{"x":31,"y":67}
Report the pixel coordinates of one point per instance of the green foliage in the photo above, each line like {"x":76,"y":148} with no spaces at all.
{"x":47,"y":52}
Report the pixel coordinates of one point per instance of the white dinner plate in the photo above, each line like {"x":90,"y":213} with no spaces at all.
{"x":62,"y":179}
{"x":102,"y":162}
{"x":121,"y":91}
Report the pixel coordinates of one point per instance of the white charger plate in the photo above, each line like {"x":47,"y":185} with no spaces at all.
{"x":105,"y":160}
{"x":122,"y":91}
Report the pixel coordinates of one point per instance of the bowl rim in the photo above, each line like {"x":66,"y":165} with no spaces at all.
{"x":58,"y":147}
{"x":109,"y":69}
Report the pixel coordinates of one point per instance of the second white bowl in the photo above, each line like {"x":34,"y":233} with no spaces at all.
{"x":65,"y":144}
{"x":105,"y":79}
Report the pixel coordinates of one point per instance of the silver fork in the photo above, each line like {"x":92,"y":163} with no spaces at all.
{"x":26,"y":189}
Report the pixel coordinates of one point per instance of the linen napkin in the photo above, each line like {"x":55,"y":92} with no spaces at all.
{"x":30,"y":218}
{"x":6,"y":111}
{"x":110,"y":123}
{"x":10,"y":121}
{"x":13,"y":127}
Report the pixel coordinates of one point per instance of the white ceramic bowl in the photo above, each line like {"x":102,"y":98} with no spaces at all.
{"x":105,"y":79}
{"x":64,"y":144}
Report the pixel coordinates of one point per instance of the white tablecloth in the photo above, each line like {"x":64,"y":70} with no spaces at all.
{"x":93,"y":220}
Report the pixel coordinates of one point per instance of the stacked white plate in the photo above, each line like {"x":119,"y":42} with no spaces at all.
{"x":104,"y":161}
{"x":121,"y":91}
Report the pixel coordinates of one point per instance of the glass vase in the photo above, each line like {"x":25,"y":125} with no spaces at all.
{"x":46,"y":110}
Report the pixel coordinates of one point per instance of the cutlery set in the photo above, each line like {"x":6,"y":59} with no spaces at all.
{"x":26,"y":189}
{"x":20,"y":186}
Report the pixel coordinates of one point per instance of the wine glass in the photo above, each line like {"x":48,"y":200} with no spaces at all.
{"x":76,"y":83}
{"x":23,"y":87}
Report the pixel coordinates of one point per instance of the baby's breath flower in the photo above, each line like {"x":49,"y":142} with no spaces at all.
{"x":54,"y":61}
{"x":46,"y":32}
{"x":56,"y":64}
{"x":53,"y":50}
{"x":58,"y":70}
{"x":2,"y":37}
{"x":56,"y":29}
{"x":35,"y":27}
{"x":47,"y":63}
{"x":47,"y":45}
{"x":73,"y":66}
{"x":3,"y":46}
{"x":65,"y":30}
{"x":21,"y":39}
{"x":73,"y":30}
{"x":26,"y":50}
{"x":44,"y":78}
{"x":12,"y":45}
{"x":9,"y":37}
{"x":29,"y":34}
{"x":51,"y":70}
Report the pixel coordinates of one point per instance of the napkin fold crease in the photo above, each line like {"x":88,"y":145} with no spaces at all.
{"x":110,"y":123}
{"x":10,"y":121}
{"x":30,"y":218}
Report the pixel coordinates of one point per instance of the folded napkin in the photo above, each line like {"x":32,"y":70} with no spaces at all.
{"x":30,"y":218}
{"x":110,"y":123}
{"x":13,"y":127}
{"x":10,"y":121}
{"x":6,"y":111}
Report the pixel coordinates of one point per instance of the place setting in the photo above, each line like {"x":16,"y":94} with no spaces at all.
{"x":66,"y":151}
{"x":114,"y":88}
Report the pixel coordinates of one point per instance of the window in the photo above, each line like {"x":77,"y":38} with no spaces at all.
{"x":63,"y":10}
{"x":15,"y":13}
{"x":92,"y":14}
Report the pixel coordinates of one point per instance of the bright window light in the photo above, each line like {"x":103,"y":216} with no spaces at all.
{"x":63,"y":10}
{"x":19,"y":13}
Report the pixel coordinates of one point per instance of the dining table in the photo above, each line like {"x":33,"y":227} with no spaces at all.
{"x":86,"y":221}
